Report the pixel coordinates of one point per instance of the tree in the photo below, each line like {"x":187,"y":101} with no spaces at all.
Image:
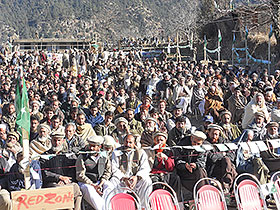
{"x":276,"y":23}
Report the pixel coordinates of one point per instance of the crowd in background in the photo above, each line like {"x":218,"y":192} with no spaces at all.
{"x":107,"y":111}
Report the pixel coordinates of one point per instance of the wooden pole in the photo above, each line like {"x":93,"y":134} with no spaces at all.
{"x":219,"y":50}
{"x":232,"y":56}
{"x":269,"y":58}
{"x":246,"y":48}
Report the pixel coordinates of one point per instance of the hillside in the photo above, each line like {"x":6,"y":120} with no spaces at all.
{"x":111,"y":19}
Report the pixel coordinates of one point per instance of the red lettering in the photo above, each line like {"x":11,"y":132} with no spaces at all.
{"x":21,"y":200}
{"x":39,"y":199}
{"x":31,"y":200}
{"x":58,"y":199}
{"x":67,"y":198}
{"x":50,"y":196}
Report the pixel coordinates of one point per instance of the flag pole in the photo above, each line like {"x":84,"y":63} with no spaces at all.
{"x":25,"y":146}
{"x":23,"y":124}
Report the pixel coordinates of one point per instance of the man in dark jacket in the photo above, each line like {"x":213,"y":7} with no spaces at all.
{"x":59,"y":170}
{"x":220,"y":164}
{"x":191,"y":164}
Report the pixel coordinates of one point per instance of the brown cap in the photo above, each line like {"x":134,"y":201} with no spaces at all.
{"x":272,"y":124}
{"x":158,"y":133}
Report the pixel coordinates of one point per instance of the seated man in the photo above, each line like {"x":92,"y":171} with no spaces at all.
{"x":5,"y":200}
{"x":230,"y":131}
{"x":43,"y":142}
{"x":75,"y":143}
{"x":250,"y":162}
{"x":162,"y":161}
{"x":220,"y":164}
{"x":130,"y":168}
{"x":271,"y":157}
{"x":258,"y":126}
{"x":60,"y":168}
{"x":84,"y":130}
{"x":93,"y":171}
{"x":191,"y":165}
{"x":178,"y":132}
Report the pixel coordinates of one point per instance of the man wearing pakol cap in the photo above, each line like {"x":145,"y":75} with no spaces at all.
{"x":60,"y":167}
{"x":93,"y":170}
{"x":130,"y":168}
{"x":258,"y":126}
{"x":230,"y":131}
{"x":220,"y":164}
{"x":121,"y":130}
{"x":162,"y":161}
{"x":147,"y":135}
{"x":43,"y":142}
{"x":190,"y":164}
{"x":11,"y":148}
{"x":109,"y":145}
{"x":271,"y":157}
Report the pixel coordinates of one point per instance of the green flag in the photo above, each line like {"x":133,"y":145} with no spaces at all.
{"x":205,"y":41}
{"x":219,"y":35}
{"x":22,"y":109}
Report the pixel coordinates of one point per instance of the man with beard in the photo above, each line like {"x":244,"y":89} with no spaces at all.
{"x":236,"y":105}
{"x":271,"y":157}
{"x":130,"y":168}
{"x":43,"y":142}
{"x":190,"y":164}
{"x":132,"y":102}
{"x":178,"y":132}
{"x":59,"y":167}
{"x":147,"y":135}
{"x":230,"y":131}
{"x":84,"y":130}
{"x":132,"y":123}
{"x":163,"y":86}
{"x":257,"y":104}
{"x":10,"y":117}
{"x":177,"y":112}
{"x":93,"y":170}
{"x":11,"y":149}
{"x":35,"y":109}
{"x":258,"y":126}
{"x":74,"y":142}
{"x":121,"y":131}
{"x":220,"y":164}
